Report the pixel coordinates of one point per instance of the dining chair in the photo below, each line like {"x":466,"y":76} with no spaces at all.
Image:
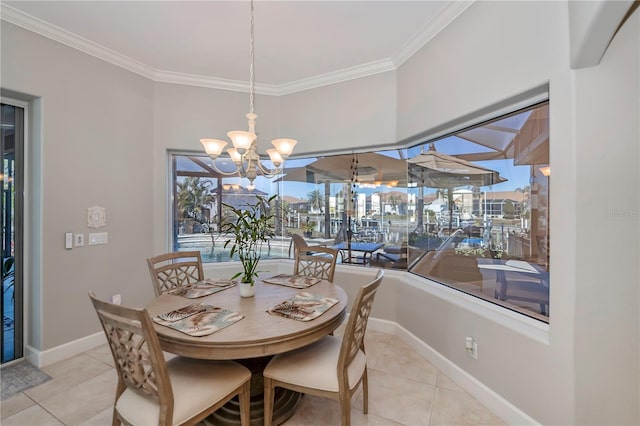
{"x":396,"y":258}
{"x":299,"y":243}
{"x":152,"y":391}
{"x":331,"y":367}
{"x":176,"y":269}
{"x":320,"y":264}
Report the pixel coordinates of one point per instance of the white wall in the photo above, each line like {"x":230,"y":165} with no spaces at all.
{"x":492,"y":52}
{"x":353,"y":114}
{"x":97,"y":132}
{"x":607,"y":112}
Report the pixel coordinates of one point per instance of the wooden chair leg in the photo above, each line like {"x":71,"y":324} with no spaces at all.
{"x":345,"y":408}
{"x":365,"y":392}
{"x":268,"y":401}
{"x":244,"y":399}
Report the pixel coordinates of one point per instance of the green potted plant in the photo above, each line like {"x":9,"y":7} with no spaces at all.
{"x":308,"y":227}
{"x":250,"y":228}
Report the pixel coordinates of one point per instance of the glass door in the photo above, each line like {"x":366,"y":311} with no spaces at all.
{"x":11,"y":230}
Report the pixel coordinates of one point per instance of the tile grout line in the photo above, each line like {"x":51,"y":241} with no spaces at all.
{"x":433,"y":401}
{"x":39,"y":405}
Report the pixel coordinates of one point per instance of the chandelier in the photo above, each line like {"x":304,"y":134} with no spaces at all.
{"x":244,"y":153}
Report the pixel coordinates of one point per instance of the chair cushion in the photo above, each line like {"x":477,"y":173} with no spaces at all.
{"x":197,"y":385}
{"x":315,"y":366}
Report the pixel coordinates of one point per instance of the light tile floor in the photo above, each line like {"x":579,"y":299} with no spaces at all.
{"x":404,"y":389}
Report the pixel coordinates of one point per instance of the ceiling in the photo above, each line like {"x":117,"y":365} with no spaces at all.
{"x":298,"y":44}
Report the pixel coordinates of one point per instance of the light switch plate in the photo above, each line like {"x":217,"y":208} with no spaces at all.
{"x":68,"y":240}
{"x":96,"y":238}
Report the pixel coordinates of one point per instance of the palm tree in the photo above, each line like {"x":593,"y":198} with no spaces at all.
{"x":316,"y":200}
{"x":193,"y":195}
{"x":524,"y":204}
{"x":281,"y":208}
{"x":475,"y":199}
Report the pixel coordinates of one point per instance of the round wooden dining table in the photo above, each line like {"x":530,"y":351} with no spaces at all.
{"x":254,"y":339}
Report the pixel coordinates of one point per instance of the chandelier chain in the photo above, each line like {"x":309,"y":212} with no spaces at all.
{"x":251,"y":55}
{"x":244,"y":153}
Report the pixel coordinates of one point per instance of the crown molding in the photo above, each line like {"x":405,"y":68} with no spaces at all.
{"x":430,"y":30}
{"x":424,"y":35}
{"x":352,"y":73}
{"x":358,"y":71}
{"x":45,"y":29}
{"x":214,"y":83}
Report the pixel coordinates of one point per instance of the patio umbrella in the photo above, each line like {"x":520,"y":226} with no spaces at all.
{"x":437,"y":170}
{"x":371,"y":168}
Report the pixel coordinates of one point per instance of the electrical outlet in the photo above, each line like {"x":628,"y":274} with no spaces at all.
{"x":472,"y":347}
{"x":79,"y":240}
{"x":116,"y":299}
{"x":474,"y":351}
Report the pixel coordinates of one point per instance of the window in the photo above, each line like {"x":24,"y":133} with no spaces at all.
{"x":486,"y":210}
{"x":329,"y":200}
{"x":200,"y":196}
{"x":469,"y":210}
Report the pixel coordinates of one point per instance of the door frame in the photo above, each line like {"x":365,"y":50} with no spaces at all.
{"x":22,"y":265}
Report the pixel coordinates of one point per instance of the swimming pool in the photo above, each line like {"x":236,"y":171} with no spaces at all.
{"x":216,"y":252}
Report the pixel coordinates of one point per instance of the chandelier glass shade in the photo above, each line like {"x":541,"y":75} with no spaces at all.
{"x":244,"y":153}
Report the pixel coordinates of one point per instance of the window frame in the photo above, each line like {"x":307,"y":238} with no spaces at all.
{"x":528,"y":100}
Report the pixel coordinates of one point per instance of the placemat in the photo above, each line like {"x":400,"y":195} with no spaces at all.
{"x":203,"y":288}
{"x":303,"y":306}
{"x":296,"y":281}
{"x":198,"y":320}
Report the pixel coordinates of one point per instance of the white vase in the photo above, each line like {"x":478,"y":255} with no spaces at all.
{"x":247,"y":289}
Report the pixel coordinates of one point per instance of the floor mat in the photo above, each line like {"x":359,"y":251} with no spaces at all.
{"x":20,"y":376}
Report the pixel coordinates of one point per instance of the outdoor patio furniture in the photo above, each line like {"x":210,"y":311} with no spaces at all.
{"x":298,"y":243}
{"x":393,"y":256}
{"x":348,"y":250}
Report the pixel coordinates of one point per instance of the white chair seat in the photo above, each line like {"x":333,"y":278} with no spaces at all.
{"x":195,"y":384}
{"x":314,"y":366}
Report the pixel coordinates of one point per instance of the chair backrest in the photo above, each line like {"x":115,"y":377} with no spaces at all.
{"x":353,"y":339}
{"x":136,"y":353}
{"x":320,"y":264}
{"x":172,"y":270}
{"x":298,"y":242}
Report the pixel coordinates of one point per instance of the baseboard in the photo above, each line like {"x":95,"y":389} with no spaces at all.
{"x":382,"y":325}
{"x":508,"y":412}
{"x":50,"y":356}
